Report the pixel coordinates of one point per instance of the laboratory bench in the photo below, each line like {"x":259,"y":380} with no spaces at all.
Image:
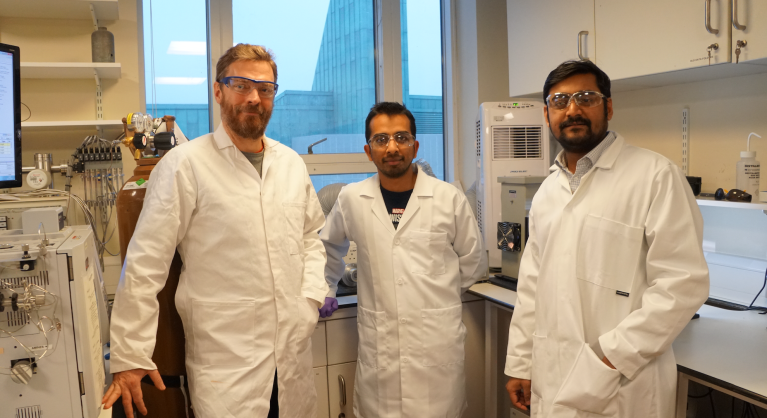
{"x":723,"y":349}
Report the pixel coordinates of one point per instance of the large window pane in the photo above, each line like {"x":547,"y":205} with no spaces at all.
{"x":326,"y":68}
{"x":176,"y":63}
{"x":321,"y":180}
{"x":422,"y":77}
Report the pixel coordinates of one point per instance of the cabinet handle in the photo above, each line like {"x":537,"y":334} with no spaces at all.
{"x":342,"y":387}
{"x":580,"y":48}
{"x":707,"y":19}
{"x":735,"y":23}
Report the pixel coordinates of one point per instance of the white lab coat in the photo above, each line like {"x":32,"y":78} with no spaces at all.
{"x":614,"y":269}
{"x":411,"y":339}
{"x":252,"y":256}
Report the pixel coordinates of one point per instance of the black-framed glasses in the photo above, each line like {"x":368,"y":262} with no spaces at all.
{"x":584,"y":98}
{"x":244,"y":85}
{"x":402,"y":139}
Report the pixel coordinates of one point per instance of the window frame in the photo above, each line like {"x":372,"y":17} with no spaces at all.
{"x":388,"y":67}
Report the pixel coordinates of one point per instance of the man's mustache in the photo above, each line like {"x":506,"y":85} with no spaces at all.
{"x":578,"y":120}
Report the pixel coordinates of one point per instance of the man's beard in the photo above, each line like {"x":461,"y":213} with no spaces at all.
{"x":252,"y":126}
{"x":395,"y":171}
{"x":583,"y":142}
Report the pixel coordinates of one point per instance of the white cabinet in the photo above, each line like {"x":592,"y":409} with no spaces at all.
{"x":749,"y":24}
{"x":658,"y":36}
{"x":544,"y":34}
{"x":341,"y":389}
{"x":342,"y":336}
{"x":319,"y":348}
{"x":321,"y":386}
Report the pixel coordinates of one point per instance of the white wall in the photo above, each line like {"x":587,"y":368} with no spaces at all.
{"x":722,"y":114}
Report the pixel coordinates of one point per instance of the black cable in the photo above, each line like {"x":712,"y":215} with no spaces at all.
{"x":30,"y":112}
{"x":751,"y":306}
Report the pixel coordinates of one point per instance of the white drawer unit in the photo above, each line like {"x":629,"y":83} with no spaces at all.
{"x":321,"y":385}
{"x":342,"y":337}
{"x":319,"y":348}
{"x":341,"y":389}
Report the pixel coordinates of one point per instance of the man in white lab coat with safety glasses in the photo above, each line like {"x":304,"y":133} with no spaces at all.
{"x":418,"y":249}
{"x":612,"y":272}
{"x":244,"y":216}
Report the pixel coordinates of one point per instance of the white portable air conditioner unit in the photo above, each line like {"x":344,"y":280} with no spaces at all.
{"x":512,"y":140}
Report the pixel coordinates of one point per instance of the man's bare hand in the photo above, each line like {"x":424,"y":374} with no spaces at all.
{"x":128,"y":385}
{"x":519,"y":392}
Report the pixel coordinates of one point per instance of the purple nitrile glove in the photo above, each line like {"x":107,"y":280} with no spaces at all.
{"x":330,"y":306}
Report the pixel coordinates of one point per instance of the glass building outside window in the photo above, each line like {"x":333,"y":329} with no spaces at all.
{"x":176,"y":63}
{"x":422,"y":77}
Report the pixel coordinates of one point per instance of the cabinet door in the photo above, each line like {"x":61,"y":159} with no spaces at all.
{"x":321,"y":386}
{"x":341,"y":389}
{"x":542,"y":35}
{"x":342,"y":340}
{"x":319,"y":349}
{"x":753,"y":15}
{"x":639,"y":38}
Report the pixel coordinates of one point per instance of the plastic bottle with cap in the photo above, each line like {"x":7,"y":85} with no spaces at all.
{"x":747,"y":170}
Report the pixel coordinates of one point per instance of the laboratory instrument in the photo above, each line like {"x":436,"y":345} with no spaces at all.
{"x":747,"y":169}
{"x":10,"y":117}
{"x":53,"y":324}
{"x":516,"y":197}
{"x":695,"y":184}
{"x":512,"y":140}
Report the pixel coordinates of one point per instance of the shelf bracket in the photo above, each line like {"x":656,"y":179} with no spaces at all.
{"x":95,"y":20}
{"x":99,"y":103}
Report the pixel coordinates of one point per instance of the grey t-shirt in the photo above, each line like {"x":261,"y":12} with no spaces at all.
{"x":257,"y":159}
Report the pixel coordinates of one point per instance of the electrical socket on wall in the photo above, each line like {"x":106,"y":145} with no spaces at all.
{"x":351,"y":256}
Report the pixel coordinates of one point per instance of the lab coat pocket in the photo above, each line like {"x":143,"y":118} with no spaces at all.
{"x":426,"y":251}
{"x":590,"y":386}
{"x":442,"y":335}
{"x":224,"y":333}
{"x":371,"y":327}
{"x":608,"y":253}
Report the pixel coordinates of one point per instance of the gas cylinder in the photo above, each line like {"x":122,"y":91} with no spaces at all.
{"x":169,"y":353}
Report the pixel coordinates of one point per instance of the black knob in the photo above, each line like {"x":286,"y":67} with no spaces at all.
{"x":164,"y":140}
{"x":139,"y":141}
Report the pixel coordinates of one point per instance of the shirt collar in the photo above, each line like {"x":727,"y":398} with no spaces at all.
{"x":593,"y":155}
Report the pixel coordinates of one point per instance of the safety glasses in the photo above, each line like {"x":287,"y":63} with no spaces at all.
{"x":561,"y":101}
{"x":243,"y":85}
{"x":402,"y":139}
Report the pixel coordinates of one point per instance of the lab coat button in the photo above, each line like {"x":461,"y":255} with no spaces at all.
{"x":400,"y":281}
{"x":396,"y":242}
{"x":403,"y":321}
{"x":405,"y":360}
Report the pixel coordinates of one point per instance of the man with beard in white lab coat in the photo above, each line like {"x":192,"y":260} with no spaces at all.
{"x":418,"y":249}
{"x":613,"y":269}
{"x":242,"y":211}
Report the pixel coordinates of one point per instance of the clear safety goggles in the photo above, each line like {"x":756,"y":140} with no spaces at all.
{"x":586,"y":98}
{"x":402,"y":139}
{"x":244,"y":85}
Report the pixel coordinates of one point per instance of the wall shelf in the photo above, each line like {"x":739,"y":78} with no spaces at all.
{"x":106,"y":10}
{"x":105,"y":128}
{"x":111,"y":70}
{"x":707,"y":201}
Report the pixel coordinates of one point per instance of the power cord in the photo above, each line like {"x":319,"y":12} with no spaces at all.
{"x":751,"y":306}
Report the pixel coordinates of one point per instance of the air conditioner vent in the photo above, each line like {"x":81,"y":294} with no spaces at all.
{"x":29,"y":412}
{"x":517,"y":142}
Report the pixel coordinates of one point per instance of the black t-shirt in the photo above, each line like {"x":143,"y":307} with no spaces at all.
{"x":395,"y":202}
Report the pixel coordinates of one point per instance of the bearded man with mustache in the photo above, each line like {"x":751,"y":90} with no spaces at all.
{"x":242,"y":212}
{"x":613,"y":269}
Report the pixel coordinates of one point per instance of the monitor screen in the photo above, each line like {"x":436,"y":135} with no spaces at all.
{"x":10,"y":117}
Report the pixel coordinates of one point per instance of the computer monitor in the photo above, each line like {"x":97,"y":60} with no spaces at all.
{"x":10,"y":117}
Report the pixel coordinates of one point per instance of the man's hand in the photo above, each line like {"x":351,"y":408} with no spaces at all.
{"x":128,"y":385}
{"x":519,"y":391}
{"x":330,"y":306}
{"x":607,"y":362}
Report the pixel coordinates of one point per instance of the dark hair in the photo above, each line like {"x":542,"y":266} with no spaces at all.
{"x":389,"y":109}
{"x":568,"y":69}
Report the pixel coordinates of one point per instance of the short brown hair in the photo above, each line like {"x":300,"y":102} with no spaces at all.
{"x":244,"y":52}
